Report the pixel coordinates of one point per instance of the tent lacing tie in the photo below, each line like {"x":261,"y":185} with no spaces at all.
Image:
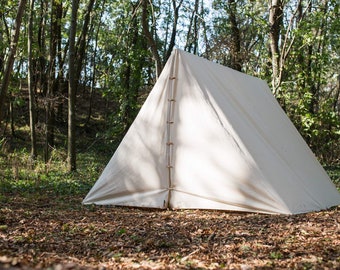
{"x":171,"y":95}
{"x":170,"y":122}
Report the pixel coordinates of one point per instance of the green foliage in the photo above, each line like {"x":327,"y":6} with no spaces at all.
{"x":123,"y":59}
{"x":276,"y":255}
{"x":52,"y":180}
{"x":309,"y":87}
{"x":334,"y":174}
{"x":321,"y":129}
{"x":121,"y":231}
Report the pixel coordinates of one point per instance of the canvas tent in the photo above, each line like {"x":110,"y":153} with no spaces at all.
{"x":209,"y":137}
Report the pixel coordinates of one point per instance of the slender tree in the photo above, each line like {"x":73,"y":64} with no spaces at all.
{"x":176,"y":5}
{"x":275,"y":23}
{"x":192,"y":36}
{"x":76,"y":57}
{"x":30,"y":82}
{"x":96,"y":30}
{"x":72,"y":89}
{"x":51,"y":82}
{"x":80,"y":47}
{"x":154,"y":45}
{"x":149,"y":37}
{"x":235,"y":46}
{"x":11,"y":56}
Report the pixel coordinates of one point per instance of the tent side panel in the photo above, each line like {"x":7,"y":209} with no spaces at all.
{"x":288,"y":167}
{"x":139,"y":165}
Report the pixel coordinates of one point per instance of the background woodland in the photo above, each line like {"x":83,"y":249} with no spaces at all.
{"x":69,"y":68}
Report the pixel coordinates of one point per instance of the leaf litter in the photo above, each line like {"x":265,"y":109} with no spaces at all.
{"x":66,"y":235}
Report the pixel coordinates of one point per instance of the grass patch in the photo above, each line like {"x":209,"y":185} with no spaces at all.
{"x":40,"y":181}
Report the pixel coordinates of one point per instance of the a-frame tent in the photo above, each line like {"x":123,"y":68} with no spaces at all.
{"x":209,"y":137}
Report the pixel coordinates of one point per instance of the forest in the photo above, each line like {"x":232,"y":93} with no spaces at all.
{"x":73,"y":76}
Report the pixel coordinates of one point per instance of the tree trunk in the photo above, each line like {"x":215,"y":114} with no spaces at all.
{"x":132,"y":73}
{"x":205,"y":31}
{"x":235,"y":48}
{"x":30,"y":83}
{"x":81,"y":44}
{"x":174,"y":28}
{"x":166,"y":34}
{"x":11,"y":56}
{"x":41,"y":62}
{"x":191,"y":42}
{"x":151,"y":41}
{"x":52,"y":84}
{"x":336,"y":103}
{"x":60,"y":60}
{"x":76,"y":57}
{"x":316,"y":69}
{"x":72,"y":89}
{"x":2,"y":54}
{"x":275,"y":23}
{"x":93,"y":75}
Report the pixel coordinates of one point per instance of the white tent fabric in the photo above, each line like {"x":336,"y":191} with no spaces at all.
{"x":209,"y":137}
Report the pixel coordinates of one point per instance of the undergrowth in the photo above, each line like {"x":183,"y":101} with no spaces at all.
{"x":39,"y":180}
{"x":19,"y":176}
{"x":334,"y":174}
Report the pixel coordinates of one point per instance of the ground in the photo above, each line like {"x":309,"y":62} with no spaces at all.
{"x":60,"y":233}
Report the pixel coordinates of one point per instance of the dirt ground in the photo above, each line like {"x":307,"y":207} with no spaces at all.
{"x":62,"y":234}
